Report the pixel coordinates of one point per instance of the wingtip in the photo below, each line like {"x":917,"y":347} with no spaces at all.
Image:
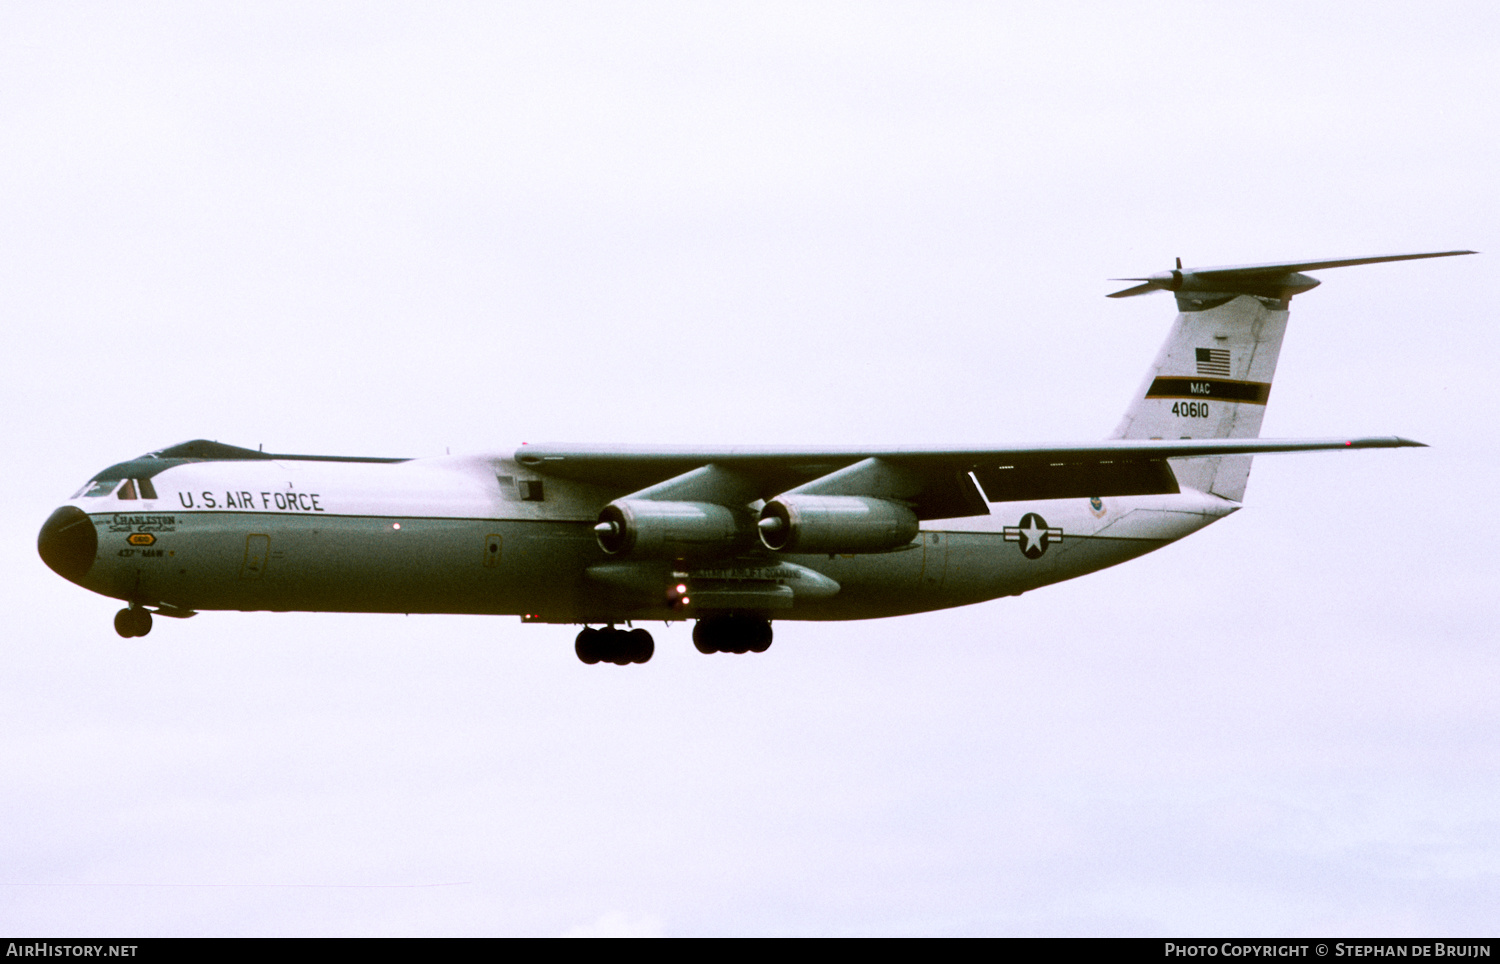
{"x":1146,"y":288}
{"x":1384,"y":442}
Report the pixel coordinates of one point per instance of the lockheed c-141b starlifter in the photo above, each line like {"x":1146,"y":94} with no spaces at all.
{"x":731,"y":538}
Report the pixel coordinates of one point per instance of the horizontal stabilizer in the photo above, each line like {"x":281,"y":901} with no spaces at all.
{"x":1276,"y":280}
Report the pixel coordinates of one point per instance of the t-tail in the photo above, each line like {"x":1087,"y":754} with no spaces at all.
{"x":1212,"y":377}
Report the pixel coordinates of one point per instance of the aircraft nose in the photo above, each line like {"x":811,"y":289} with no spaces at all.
{"x":68,"y":543}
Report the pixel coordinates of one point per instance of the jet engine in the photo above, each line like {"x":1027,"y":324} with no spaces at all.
{"x":835,"y":523}
{"x":645,"y":528}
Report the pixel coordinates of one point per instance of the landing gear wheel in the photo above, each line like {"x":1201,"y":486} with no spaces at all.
{"x":618,"y":643}
{"x":760,"y":637}
{"x":640,"y":645}
{"x":133,"y":622}
{"x":587,"y":646}
{"x":703,"y":637}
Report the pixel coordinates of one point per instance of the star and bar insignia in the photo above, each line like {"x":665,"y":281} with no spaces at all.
{"x":1033,"y":534}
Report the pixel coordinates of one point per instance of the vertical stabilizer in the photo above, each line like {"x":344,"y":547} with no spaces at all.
{"x":1212,"y":378}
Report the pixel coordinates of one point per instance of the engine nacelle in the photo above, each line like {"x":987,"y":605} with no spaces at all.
{"x":644,"y":528}
{"x":835,"y":523}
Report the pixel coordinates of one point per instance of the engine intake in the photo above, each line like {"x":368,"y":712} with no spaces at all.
{"x":644,"y":528}
{"x":835,"y":523}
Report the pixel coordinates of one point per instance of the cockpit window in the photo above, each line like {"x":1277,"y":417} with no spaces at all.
{"x":97,"y":488}
{"x":131,"y":489}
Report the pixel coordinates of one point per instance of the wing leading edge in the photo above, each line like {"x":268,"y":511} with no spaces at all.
{"x":939,"y":483}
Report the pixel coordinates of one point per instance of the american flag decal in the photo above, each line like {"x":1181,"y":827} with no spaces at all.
{"x":1213,"y":361}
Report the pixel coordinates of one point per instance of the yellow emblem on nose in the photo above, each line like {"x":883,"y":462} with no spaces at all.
{"x":141,"y":539}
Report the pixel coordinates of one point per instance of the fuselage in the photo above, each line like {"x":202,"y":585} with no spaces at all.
{"x":486,"y":535}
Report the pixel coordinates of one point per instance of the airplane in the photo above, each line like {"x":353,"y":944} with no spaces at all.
{"x":607,"y":536}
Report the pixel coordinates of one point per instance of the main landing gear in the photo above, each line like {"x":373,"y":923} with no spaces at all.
{"x":618,"y":646}
{"x":726,"y":633}
{"x":732,"y":633}
{"x":133,"y":622}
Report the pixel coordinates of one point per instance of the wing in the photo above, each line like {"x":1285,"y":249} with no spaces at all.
{"x":938,"y":483}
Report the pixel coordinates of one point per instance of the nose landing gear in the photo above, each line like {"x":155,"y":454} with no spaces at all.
{"x":611,"y":645}
{"x":133,"y":622}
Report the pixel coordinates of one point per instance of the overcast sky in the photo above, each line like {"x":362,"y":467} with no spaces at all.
{"x":386,"y":229}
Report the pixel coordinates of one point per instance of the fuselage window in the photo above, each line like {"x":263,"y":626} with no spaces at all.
{"x":127,"y":491}
{"x":531,"y":490}
{"x":148,"y":491}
